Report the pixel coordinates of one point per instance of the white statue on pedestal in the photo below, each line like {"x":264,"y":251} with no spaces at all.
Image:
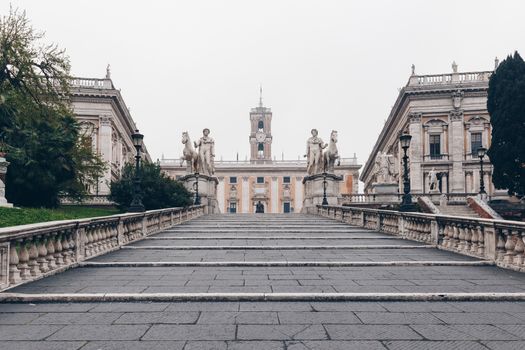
{"x":331,"y":154}
{"x":206,"y":147}
{"x":3,"y":170}
{"x":314,"y":154}
{"x":433,"y":181}
{"x":384,"y":168}
{"x":189,"y":154}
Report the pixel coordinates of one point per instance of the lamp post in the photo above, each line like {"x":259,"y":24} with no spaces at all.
{"x":325,"y":200}
{"x":481,"y":154}
{"x":406,"y":202}
{"x":136,"y":204}
{"x":197,"y":200}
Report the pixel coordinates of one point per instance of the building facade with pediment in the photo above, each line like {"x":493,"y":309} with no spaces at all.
{"x":446,"y":115}
{"x":107,"y":123}
{"x":263,"y":180}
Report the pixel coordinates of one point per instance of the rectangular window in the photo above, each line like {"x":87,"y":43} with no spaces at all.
{"x":260,"y":180}
{"x":286,"y":179}
{"x":233,"y":179}
{"x":475,"y":142}
{"x":435,"y":146}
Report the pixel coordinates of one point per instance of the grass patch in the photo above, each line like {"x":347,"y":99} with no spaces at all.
{"x":22,"y":216}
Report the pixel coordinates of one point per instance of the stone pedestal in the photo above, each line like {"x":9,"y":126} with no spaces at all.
{"x":313,"y":190}
{"x":3,"y":170}
{"x":387,"y":192}
{"x":207,"y":191}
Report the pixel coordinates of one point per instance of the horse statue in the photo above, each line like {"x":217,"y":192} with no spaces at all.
{"x":330,"y":155}
{"x":189,"y":154}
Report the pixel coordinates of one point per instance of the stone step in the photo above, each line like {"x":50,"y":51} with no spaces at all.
{"x":166,"y":241}
{"x":458,"y":210}
{"x":411,"y":245}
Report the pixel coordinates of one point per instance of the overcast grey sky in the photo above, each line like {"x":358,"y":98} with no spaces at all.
{"x":186,"y":65}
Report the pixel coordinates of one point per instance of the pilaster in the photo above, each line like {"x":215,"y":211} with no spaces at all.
{"x":416,"y":152}
{"x":457,"y":150}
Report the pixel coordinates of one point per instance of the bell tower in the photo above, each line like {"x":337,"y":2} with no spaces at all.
{"x":261,"y":133}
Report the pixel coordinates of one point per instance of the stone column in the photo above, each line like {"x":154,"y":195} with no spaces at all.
{"x":416,"y":152}
{"x":457,"y":151}
{"x":274,"y":195}
{"x":105,"y":144}
{"x":246,"y":202}
{"x":220,"y":194}
{"x":299,"y":196}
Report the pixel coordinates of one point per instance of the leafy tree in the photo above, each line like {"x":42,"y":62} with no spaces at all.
{"x":158,"y":190}
{"x":506,"y":106}
{"x":37,"y":128}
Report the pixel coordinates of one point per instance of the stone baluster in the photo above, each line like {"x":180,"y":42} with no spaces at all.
{"x":66,"y":249}
{"x":481,"y":240}
{"x":474,"y":239}
{"x":446,"y":229}
{"x":455,"y":237}
{"x":59,"y":258}
{"x":42,"y":253}
{"x":50,"y":257}
{"x":509,"y":247}
{"x":14,"y":272}
{"x":90,"y":244}
{"x":34,"y":267}
{"x":23,"y":260}
{"x":73,"y":245}
{"x":468,"y":236}
{"x":519,"y":248}
{"x":461,"y":237}
{"x":500,"y":245}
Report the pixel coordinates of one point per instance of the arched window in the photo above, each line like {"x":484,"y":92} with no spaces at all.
{"x":260,"y":125}
{"x":260,"y":147}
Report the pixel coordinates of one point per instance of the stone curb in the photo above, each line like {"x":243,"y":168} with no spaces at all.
{"x":284,"y":263}
{"x":284,"y":247}
{"x":205,"y":297}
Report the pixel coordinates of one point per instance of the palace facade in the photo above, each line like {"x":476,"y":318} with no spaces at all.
{"x":106,"y":121}
{"x":276,"y":184}
{"x":446,"y":114}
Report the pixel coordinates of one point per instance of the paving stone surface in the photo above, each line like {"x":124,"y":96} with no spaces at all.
{"x":270,"y":325}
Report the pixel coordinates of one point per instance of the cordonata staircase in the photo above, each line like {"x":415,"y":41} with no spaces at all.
{"x":268,"y":281}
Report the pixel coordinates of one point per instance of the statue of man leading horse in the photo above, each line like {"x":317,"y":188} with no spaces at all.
{"x":319,"y":160}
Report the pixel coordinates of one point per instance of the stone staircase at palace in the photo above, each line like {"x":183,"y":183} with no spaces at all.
{"x":269,"y":281}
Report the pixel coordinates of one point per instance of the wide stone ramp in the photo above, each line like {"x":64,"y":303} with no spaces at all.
{"x":270,"y":281}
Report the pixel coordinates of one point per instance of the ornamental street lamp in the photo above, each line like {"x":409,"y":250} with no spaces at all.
{"x":406,"y":203}
{"x":481,"y":154}
{"x":325,"y":200}
{"x":136,"y":205}
{"x":197,"y":200}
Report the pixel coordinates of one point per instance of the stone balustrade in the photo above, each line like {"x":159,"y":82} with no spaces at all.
{"x":373,"y":198}
{"x":29,"y":252}
{"x":501,"y":241}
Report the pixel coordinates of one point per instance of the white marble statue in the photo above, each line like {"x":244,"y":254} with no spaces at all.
{"x":189,"y":154}
{"x":331,"y":154}
{"x":384,"y":168}
{"x":2,"y":190}
{"x":314,"y":154}
{"x":206,"y":147}
{"x":433,"y":180}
